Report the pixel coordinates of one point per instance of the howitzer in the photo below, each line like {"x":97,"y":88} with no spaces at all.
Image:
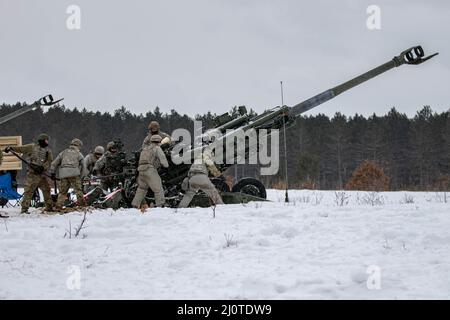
{"x":274,"y":118}
{"x":46,"y":101}
{"x":248,"y":188}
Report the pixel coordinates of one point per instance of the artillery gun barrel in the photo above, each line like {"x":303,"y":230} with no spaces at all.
{"x":284,"y":115}
{"x":18,"y":113}
{"x":414,"y":55}
{"x":331,"y":93}
{"x":44,"y":101}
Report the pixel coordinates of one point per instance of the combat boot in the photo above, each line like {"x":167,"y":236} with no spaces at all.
{"x":81,"y":203}
{"x":24,"y":210}
{"x":50,"y":210}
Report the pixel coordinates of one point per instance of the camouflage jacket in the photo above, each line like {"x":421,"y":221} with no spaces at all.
{"x":70,"y":163}
{"x":152,"y":156}
{"x":110,"y":163}
{"x":89,"y":162}
{"x":36,"y":154}
{"x":203,"y":165}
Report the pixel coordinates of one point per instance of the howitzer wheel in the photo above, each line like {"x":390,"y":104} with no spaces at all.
{"x":250,"y":186}
{"x":220,"y":185}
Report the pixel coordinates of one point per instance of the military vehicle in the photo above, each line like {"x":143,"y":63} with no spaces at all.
{"x":246,"y":189}
{"x":249,"y":188}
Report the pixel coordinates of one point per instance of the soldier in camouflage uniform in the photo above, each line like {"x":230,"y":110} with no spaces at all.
{"x":197,"y":179}
{"x":110,"y":163}
{"x":40,"y":157}
{"x":150,"y":159}
{"x":71,"y":170}
{"x":153,"y":129}
{"x":91,"y":159}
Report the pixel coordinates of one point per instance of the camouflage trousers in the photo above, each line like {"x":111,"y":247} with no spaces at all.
{"x":149,"y":179}
{"x":199,"y":182}
{"x":32,"y":182}
{"x":65,"y":185}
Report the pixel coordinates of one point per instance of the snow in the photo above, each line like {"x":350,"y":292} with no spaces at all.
{"x":377,"y":246}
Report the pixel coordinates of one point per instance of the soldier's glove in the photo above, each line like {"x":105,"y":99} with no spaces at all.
{"x":8,"y":149}
{"x":37,"y":168}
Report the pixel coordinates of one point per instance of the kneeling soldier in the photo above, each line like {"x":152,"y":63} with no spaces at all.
{"x":150,"y":159}
{"x":71,"y":169}
{"x":40,"y":156}
{"x":197,"y":179}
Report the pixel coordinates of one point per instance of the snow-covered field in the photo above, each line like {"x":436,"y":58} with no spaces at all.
{"x":377,"y":246}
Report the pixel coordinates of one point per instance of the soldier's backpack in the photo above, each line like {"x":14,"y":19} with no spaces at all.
{"x":70,"y":158}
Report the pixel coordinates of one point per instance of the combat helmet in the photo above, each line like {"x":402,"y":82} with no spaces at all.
{"x":99,"y":150}
{"x":154,"y":126}
{"x":76,"y":142}
{"x":110,"y":145}
{"x":43,"y":136}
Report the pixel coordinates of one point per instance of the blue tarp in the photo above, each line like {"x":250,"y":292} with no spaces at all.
{"x":6,"y":190}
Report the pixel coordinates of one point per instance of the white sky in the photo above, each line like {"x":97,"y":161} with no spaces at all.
{"x":199,"y":55}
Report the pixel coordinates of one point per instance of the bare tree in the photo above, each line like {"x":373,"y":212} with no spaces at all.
{"x":341,"y":198}
{"x":77,"y":229}
{"x":213,"y":207}
{"x":407,"y":198}
{"x":81,"y":226}
{"x":229,"y":241}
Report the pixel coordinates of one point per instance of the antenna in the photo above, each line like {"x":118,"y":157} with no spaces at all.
{"x":286,"y":196}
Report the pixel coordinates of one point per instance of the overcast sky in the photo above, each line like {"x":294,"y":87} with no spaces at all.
{"x":195,"y":56}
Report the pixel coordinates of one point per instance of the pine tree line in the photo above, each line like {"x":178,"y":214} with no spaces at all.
{"x":322,"y":151}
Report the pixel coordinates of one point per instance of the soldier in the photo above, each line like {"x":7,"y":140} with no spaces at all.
{"x":150,"y":159}
{"x":109,"y":164}
{"x":91,"y":159}
{"x":153,"y":129}
{"x":71,"y":169}
{"x":40,"y":157}
{"x":197,"y":179}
